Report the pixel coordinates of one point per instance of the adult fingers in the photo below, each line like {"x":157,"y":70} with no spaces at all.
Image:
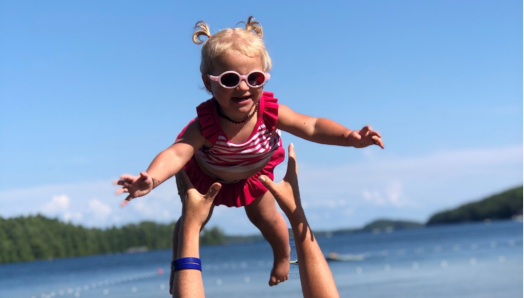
{"x":268,"y":183}
{"x":292,"y":167}
{"x":213,"y":191}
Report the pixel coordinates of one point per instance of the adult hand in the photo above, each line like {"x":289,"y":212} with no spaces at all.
{"x":365,"y":137}
{"x":286,"y":192}
{"x":136,"y":186}
{"x":196,"y":207}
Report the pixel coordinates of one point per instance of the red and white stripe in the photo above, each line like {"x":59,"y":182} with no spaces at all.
{"x":238,"y":158}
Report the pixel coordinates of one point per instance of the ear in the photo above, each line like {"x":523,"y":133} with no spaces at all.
{"x":207,"y":83}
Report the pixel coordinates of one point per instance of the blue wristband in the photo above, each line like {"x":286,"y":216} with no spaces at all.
{"x":186,"y":260}
{"x":188,"y":266}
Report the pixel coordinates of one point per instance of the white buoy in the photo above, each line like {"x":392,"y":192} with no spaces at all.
{"x":70,"y":291}
{"x":162,"y":286}
{"x":86,"y":287}
{"x":106,"y":291}
{"x":415,"y":266}
{"x":61,"y":292}
{"x":247,"y":279}
{"x":134,"y":289}
{"x":53,"y":293}
{"x":219,"y":282}
{"x":472,"y":261}
{"x":77,"y":294}
{"x":444,"y":264}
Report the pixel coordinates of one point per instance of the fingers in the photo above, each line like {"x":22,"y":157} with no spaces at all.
{"x":124,"y":202}
{"x":268,"y":183}
{"x":121,"y":190}
{"x":144,"y":176}
{"x":128,"y":177}
{"x":365,"y":130}
{"x":292,"y":168}
{"x":213,"y":191}
{"x":378,"y":141}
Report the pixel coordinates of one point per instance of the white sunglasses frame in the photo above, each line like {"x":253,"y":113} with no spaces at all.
{"x":218,"y":78}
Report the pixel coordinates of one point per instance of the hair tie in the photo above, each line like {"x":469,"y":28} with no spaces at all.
{"x":208,"y":36}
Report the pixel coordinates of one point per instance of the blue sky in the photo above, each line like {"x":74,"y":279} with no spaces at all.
{"x":90,"y":90}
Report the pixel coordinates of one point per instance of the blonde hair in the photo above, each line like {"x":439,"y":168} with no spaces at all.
{"x":246,"y":41}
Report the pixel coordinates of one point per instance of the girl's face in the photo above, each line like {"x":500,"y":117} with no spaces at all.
{"x":235,"y":103}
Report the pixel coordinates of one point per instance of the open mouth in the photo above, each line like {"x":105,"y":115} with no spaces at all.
{"x":241,"y":99}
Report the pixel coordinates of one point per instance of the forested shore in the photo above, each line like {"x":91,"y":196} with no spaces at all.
{"x":28,"y":238}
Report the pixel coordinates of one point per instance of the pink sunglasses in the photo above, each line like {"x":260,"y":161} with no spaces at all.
{"x":231,"y":79}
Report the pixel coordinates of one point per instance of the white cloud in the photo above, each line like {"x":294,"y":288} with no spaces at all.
{"x":99,"y":209}
{"x":57,"y":204}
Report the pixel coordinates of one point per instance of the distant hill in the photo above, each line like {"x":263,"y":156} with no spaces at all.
{"x":500,"y":206}
{"x":386,"y":224}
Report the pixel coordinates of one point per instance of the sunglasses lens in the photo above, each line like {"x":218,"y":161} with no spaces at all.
{"x":230,"y":80}
{"x":256,"y":79}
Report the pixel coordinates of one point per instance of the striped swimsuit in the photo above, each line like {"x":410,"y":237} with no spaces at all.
{"x":264,"y":146}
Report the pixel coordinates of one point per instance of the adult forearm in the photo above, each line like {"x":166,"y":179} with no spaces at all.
{"x":188,"y":282}
{"x":329,"y":132}
{"x":315,"y":275}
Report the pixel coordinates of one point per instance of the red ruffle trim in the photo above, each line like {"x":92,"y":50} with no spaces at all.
{"x":270,"y":108}
{"x":208,"y":127}
{"x":211,"y":130}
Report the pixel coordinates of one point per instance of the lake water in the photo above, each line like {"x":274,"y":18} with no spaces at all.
{"x":467,"y":260}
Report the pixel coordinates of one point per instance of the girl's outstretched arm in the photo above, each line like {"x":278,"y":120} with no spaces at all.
{"x":325,"y":131}
{"x":165,"y":165}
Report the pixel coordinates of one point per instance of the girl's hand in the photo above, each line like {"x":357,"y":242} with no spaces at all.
{"x":364,"y":137}
{"x":136,"y":186}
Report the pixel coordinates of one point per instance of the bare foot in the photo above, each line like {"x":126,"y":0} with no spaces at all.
{"x":280,"y":271}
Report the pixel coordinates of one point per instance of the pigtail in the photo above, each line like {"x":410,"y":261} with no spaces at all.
{"x":201,"y":28}
{"x":253,"y":26}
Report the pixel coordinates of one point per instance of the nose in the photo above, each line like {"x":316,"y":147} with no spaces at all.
{"x":243,"y":85}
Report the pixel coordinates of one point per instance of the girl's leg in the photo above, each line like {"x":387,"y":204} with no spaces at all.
{"x":264,"y":215}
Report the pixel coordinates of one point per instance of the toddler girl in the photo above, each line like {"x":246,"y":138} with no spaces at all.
{"x":235,"y":137}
